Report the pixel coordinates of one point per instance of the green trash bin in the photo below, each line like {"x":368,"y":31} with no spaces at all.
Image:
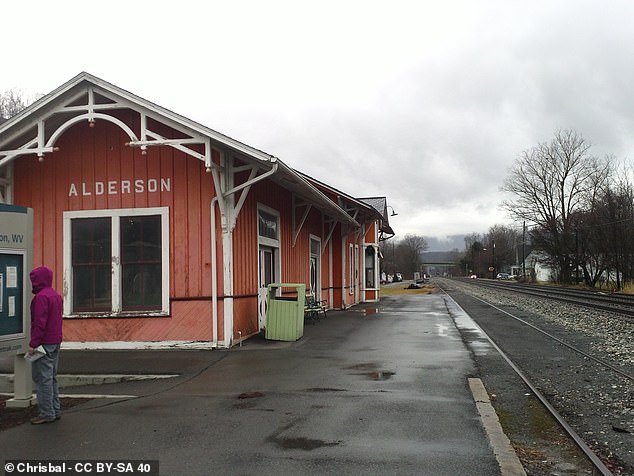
{"x":285,"y":311}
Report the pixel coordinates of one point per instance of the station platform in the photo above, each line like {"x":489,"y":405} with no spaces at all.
{"x":381,"y":388}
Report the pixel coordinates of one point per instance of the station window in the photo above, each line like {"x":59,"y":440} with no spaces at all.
{"x":351,"y":268}
{"x":370,"y":267}
{"x":269,"y":244}
{"x":116,"y":262}
{"x":267,"y":225}
{"x":92,"y":263}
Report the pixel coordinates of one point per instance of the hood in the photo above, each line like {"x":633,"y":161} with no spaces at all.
{"x":41,"y":278}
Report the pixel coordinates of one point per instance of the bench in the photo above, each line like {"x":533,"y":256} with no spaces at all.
{"x":313,"y":308}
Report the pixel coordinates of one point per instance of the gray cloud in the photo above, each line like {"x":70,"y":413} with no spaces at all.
{"x":428,"y":103}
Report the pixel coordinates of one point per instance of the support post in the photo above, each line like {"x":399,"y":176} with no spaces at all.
{"x":22,"y":384}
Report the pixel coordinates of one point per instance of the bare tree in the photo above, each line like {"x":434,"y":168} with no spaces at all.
{"x":472,"y":238}
{"x":503,"y":241}
{"x":388,"y":251}
{"x":409,"y":252}
{"x":551,"y":182}
{"x":11,"y":102}
{"x":603,"y":235}
{"x":472,"y":250}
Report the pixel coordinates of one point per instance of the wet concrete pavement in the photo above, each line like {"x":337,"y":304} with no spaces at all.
{"x":363,"y":392}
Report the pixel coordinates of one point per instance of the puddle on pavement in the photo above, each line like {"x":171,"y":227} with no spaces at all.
{"x":251,"y":405}
{"x":247,"y":401}
{"x":367,"y":311}
{"x":300,"y":443}
{"x":326,"y":389}
{"x":480,"y":347}
{"x":245,"y":395}
{"x":372,"y":371}
{"x":472,"y":334}
{"x":381,"y":375}
{"x":245,"y":405}
{"x":363,"y":366}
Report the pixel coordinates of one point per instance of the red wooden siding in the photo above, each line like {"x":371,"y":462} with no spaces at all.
{"x":337,"y":263}
{"x":193,"y":323}
{"x":294,"y":259}
{"x":97,"y":157}
{"x":90,"y":155}
{"x":245,"y":321}
{"x":370,"y":232}
{"x":96,"y":162}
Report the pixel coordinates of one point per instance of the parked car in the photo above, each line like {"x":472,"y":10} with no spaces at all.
{"x":504,"y":276}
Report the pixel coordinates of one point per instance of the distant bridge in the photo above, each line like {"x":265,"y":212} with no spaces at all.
{"x":439,"y":262}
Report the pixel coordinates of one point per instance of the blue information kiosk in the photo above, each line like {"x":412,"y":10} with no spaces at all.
{"x":16,"y":247}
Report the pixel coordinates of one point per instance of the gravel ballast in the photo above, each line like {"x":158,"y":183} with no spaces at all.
{"x":597,"y":402}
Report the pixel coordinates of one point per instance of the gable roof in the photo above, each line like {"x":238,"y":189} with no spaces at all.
{"x":35,"y":129}
{"x":374,"y":207}
{"x":80,"y":83}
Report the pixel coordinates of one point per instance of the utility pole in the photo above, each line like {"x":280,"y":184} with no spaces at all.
{"x":577,"y":254}
{"x":524,"y":252}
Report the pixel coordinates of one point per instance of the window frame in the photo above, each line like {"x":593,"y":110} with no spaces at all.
{"x":316,"y":254}
{"x":117,"y":296}
{"x":273,"y":244}
{"x":351,"y":268}
{"x":265,"y":240}
{"x":373,"y":266}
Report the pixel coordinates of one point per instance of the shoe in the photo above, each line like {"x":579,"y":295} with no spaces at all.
{"x":38,"y":420}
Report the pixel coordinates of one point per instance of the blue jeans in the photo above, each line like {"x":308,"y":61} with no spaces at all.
{"x":45,"y":378}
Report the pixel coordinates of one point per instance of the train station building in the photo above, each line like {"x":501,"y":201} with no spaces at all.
{"x":160,"y":229}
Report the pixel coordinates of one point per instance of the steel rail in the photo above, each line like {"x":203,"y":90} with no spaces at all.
{"x":564,"y":343}
{"x":594,"y":459}
{"x":592,"y":295}
{"x":557,"y":296}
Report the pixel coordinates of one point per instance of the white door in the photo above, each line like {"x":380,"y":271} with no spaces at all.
{"x":266,"y":277}
{"x":315,"y":268}
{"x":356,"y":275}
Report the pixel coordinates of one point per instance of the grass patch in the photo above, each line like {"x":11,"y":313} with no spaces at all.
{"x":628,"y":288}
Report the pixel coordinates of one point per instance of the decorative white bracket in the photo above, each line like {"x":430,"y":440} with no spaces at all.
{"x":297,"y":226}
{"x":226,"y":188}
{"x":178,"y":144}
{"x":91,"y":111}
{"x":329,"y":228}
{"x":352,"y":211}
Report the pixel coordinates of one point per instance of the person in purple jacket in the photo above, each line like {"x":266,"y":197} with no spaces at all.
{"x":46,"y":330}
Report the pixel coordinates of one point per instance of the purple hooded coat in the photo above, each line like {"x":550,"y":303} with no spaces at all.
{"x":46,"y":309}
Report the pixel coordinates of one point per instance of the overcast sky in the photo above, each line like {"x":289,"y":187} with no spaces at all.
{"x":425,"y":102}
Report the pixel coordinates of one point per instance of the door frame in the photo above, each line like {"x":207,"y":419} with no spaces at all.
{"x":314,"y":256}
{"x":266,"y":244}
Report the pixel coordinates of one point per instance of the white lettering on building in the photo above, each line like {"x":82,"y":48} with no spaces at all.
{"x":114,"y":187}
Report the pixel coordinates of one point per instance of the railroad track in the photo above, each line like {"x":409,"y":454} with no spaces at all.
{"x":546,"y":381}
{"x":612,"y":302}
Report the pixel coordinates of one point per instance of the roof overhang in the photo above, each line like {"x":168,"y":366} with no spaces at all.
{"x":86,"y":97}
{"x":55,"y":102}
{"x":297,"y":183}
